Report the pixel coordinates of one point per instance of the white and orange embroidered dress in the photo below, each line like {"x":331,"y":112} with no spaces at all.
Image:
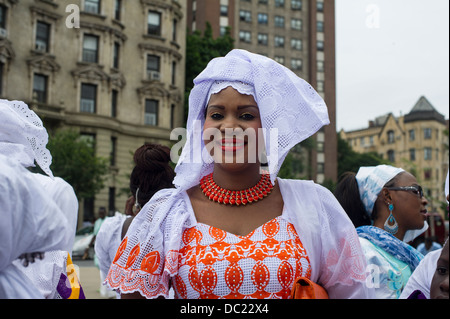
{"x":313,"y":237}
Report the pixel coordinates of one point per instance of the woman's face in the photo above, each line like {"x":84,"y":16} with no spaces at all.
{"x":409,"y":208}
{"x":231,"y":128}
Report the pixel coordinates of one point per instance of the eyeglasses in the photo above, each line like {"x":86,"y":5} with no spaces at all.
{"x":415,"y":189}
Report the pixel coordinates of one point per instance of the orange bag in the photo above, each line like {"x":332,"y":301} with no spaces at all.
{"x":306,"y":289}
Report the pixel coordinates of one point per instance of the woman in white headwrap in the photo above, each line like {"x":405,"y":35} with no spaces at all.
{"x":228,"y":229}
{"x":388,"y":209}
{"x":39,"y":212}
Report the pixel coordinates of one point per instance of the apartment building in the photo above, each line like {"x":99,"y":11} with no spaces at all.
{"x":111,"y":69}
{"x":299,"y":34}
{"x":417,"y":142}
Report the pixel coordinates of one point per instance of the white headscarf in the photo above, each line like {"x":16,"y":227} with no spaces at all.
{"x":23,"y":136}
{"x":371,"y":180}
{"x":286,"y":103}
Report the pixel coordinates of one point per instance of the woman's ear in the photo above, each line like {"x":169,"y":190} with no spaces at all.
{"x":386,"y":195}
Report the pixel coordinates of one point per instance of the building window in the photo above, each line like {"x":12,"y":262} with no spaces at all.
{"x":114,"y":96}
{"x":371,"y":140}
{"x":245,"y":15}
{"x":279,"y":59}
{"x":263,"y":1}
{"x":296,"y":64}
{"x":245,"y":36}
{"x":279,"y":41}
{"x":412,"y":135}
{"x":279,"y":21}
{"x":90,"y":48}
{"x":172,"y":116}
{"x":174,"y":73}
{"x":92,"y":6}
{"x":3,"y":18}
{"x":153,"y":65}
{"x":174,"y":30}
{"x":296,"y":44}
{"x":88,"y":98}
{"x":42,"y":36}
{"x":112,"y":201}
{"x":390,"y":137}
{"x":427,"y":133}
{"x":113,"y":151}
{"x":296,"y":24}
{"x":224,"y":11}
{"x":362,"y":141}
{"x":116,"y":55}
{"x":412,"y":154}
{"x":117,"y":9}
{"x":427,"y":151}
{"x":296,"y":4}
{"x":320,"y":46}
{"x":151,"y":112}
{"x":262,"y":18}
{"x":40,"y":88}
{"x":427,"y":172}
{"x":319,"y":6}
{"x":2,"y":65}
{"x":154,"y":23}
{"x":279,"y":3}
{"x":320,"y":66}
{"x":320,"y":86}
{"x":262,"y":38}
{"x":391,"y":156}
{"x":319,"y":26}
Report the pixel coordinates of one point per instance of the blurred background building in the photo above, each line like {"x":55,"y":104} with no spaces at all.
{"x":118,"y":78}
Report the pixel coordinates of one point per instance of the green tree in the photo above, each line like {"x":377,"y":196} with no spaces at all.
{"x":74,"y":160}
{"x":200,"y":49}
{"x":351,"y":161}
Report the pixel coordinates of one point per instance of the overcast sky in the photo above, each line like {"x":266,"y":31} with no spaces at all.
{"x":388,"y":54}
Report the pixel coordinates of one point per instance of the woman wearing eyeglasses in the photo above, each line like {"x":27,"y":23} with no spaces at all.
{"x":388,"y":209}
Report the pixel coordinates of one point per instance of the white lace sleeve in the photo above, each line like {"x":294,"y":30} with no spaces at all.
{"x":329,"y":238}
{"x":148,"y":255}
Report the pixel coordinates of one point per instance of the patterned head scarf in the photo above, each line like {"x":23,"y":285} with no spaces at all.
{"x":371,"y":180}
{"x":23,"y":137}
{"x":291,"y":110}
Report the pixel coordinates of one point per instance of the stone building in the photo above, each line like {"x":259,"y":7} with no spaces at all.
{"x":111,"y":69}
{"x":417,"y":142}
{"x":299,"y":34}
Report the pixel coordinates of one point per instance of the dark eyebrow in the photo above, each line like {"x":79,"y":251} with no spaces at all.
{"x":239,"y":107}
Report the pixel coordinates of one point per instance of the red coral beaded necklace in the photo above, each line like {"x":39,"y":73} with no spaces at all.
{"x":228,"y":197}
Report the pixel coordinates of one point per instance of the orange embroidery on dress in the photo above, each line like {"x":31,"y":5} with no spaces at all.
{"x":212,"y":254}
{"x":132,"y":257}
{"x":151,"y":262}
{"x":120,"y":250}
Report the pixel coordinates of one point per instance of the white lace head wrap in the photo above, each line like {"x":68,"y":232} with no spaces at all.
{"x":286,"y":103}
{"x":23,"y":136}
{"x":371,"y":180}
{"x":446,"y":186}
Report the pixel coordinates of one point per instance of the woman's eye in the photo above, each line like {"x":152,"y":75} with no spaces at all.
{"x":247,"y":116}
{"x":442,"y":270}
{"x":216,"y":116}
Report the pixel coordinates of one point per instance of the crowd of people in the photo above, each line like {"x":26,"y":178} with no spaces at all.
{"x":222,"y":224}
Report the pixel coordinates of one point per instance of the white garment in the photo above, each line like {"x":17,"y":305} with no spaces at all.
{"x":422,"y":276}
{"x":108,"y":240}
{"x":30,"y":222}
{"x":64,"y":196}
{"x":46,"y":273}
{"x":325,"y":230}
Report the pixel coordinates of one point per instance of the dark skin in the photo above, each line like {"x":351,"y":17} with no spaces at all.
{"x":409,"y":209}
{"x":230,"y":109}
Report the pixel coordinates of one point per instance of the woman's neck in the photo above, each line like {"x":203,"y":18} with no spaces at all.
{"x":236,"y":180}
